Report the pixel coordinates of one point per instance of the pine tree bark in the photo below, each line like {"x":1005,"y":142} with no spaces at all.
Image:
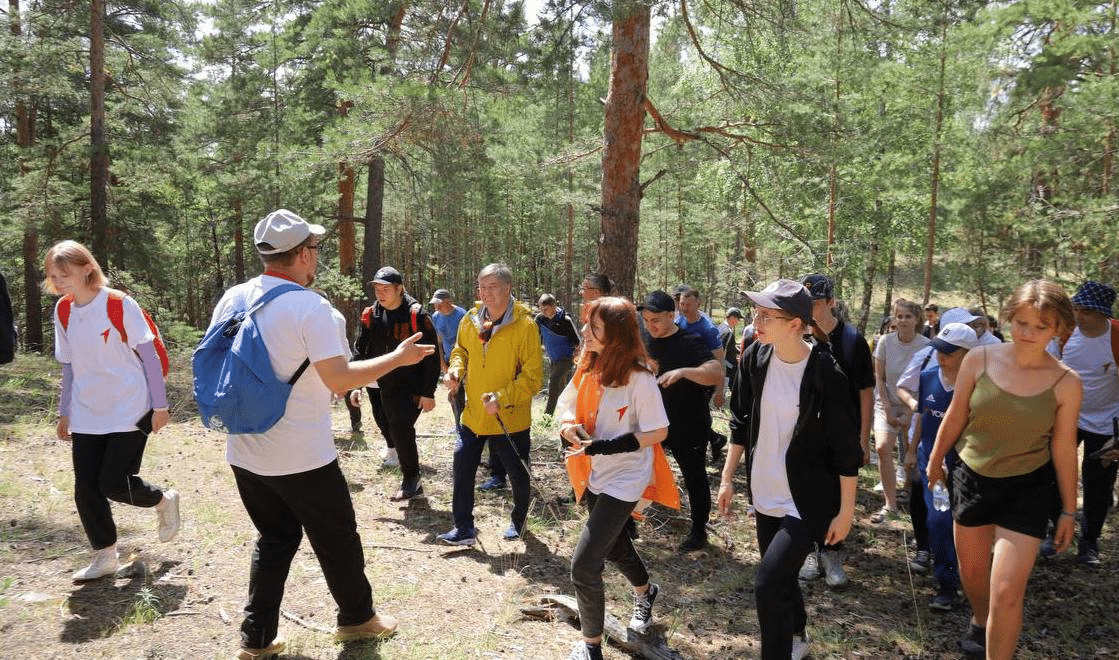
{"x":99,"y":146}
{"x":621,"y":160}
{"x":25,"y":139}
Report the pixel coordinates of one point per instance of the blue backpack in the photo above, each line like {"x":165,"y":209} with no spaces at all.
{"x":236,"y":389}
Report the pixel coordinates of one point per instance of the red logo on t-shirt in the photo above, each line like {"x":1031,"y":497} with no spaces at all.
{"x":622,"y":412}
{"x":105,"y":335}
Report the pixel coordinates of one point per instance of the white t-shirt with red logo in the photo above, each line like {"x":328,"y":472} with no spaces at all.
{"x":634,"y":407}
{"x":110,"y":390}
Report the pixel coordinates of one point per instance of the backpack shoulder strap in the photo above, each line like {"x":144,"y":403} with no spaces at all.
{"x":366,"y":316}
{"x":114,"y":306}
{"x":271,"y":294}
{"x":850,"y":336}
{"x":415,"y":309}
{"x":64,"y":310}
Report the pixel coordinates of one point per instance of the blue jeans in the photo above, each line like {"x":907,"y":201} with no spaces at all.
{"x":941,"y":542}
{"x":468,"y":454}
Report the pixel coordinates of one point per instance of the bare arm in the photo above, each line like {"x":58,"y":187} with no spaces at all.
{"x":341,"y":376}
{"x":866,"y":419}
{"x":841,"y":524}
{"x":726,"y":483}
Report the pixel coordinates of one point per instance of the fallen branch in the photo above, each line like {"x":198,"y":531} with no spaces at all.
{"x":381,"y":546}
{"x":652,"y":646}
{"x":306,"y":624}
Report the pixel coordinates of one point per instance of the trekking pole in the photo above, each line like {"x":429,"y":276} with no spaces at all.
{"x":508,"y":438}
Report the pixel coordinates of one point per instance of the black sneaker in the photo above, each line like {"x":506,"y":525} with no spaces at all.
{"x":408,"y":490}
{"x":585,"y":651}
{"x":643,"y":609}
{"x":1088,"y":556}
{"x":694,"y":542}
{"x":974,"y":642}
{"x":457,"y":537}
{"x":491,"y":484}
{"x":945,"y":600}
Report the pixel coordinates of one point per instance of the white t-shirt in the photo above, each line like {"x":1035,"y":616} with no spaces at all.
{"x":1092,"y":358}
{"x":896,"y":355}
{"x":295,"y":326}
{"x":910,"y":379}
{"x":635,"y":407}
{"x":780,"y":408}
{"x":110,"y":392}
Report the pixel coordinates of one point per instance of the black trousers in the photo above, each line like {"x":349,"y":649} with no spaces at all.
{"x":1099,"y":484}
{"x":603,"y":539}
{"x":784,"y":544}
{"x":105,"y":468}
{"x":690,"y":451}
{"x":281,"y":508}
{"x":396,"y":417}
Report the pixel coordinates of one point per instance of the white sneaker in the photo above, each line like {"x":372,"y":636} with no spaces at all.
{"x":810,"y":570}
{"x":831,"y":561}
{"x":390,"y":459}
{"x":802,"y":646}
{"x":878,"y":487}
{"x":167,"y":511}
{"x":903,"y":476}
{"x":105,"y":562}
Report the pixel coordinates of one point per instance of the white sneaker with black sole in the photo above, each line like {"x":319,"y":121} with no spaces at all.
{"x":802,"y":646}
{"x":643,"y":609}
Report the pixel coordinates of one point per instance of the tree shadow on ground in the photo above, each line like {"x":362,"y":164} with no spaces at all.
{"x":101,"y":608}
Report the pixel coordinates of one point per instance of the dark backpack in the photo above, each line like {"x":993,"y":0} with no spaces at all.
{"x":236,"y":389}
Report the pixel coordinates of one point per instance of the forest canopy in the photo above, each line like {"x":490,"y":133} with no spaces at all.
{"x":972,"y":143}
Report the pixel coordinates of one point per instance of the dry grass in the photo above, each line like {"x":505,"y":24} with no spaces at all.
{"x":451,"y":603}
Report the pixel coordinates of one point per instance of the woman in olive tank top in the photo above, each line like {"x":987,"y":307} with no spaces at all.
{"x":1013,"y":421}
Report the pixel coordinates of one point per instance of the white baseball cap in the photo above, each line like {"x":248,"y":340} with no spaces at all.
{"x":957,"y":315}
{"x":281,"y":230}
{"x":953,"y":337}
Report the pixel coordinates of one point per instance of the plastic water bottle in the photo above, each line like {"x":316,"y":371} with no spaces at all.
{"x":940,"y":497}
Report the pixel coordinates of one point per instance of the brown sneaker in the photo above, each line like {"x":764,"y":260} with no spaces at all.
{"x":381,"y":626}
{"x":275,"y":648}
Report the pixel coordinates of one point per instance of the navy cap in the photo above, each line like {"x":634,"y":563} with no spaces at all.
{"x":819,"y":286}
{"x":786,"y":295}
{"x":1095,"y":297}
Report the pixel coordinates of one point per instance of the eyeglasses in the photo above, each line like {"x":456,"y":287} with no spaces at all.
{"x":589,"y":288}
{"x":312,"y":247}
{"x":762,"y":319}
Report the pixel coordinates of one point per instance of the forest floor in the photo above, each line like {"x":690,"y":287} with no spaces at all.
{"x":451,"y":603}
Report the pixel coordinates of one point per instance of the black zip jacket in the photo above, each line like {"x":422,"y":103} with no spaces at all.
{"x":825,"y":443}
{"x":386,"y":329}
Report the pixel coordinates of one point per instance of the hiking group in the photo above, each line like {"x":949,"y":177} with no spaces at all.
{"x":991,"y":475}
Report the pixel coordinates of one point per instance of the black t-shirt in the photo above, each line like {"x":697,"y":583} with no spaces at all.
{"x":860,"y":371}
{"x":685,"y":401}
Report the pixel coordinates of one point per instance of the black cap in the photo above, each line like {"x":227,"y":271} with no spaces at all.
{"x":439,"y":296}
{"x":734,"y":311}
{"x":819,"y":286}
{"x":657,"y":301}
{"x":388,"y":275}
{"x":786,"y":295}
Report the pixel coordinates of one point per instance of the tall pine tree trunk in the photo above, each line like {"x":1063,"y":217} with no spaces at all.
{"x":374,"y":219}
{"x":99,"y":146}
{"x":622,"y":133}
{"x":25,"y":138}
{"x":934,"y":183}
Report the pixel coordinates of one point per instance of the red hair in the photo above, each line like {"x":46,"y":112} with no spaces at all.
{"x":623,"y":352}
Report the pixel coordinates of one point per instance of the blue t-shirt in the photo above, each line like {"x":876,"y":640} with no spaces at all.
{"x":934,"y":400}
{"x":446,"y":325}
{"x":704,"y":328}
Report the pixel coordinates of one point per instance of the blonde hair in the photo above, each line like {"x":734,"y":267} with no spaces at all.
{"x":67,"y":254}
{"x":1048,"y":298}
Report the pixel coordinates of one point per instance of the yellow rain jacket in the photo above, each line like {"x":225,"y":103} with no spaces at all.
{"x":510,"y":364}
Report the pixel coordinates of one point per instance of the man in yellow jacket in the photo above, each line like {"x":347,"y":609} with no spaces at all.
{"x":497,"y":359}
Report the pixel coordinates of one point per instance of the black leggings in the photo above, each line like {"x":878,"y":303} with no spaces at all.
{"x":603,"y":539}
{"x":784,"y":544}
{"x":105,"y":468}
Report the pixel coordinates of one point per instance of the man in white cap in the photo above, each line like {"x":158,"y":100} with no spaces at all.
{"x":288,"y":477}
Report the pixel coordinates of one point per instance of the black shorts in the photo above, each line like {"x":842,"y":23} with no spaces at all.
{"x":1020,"y":503}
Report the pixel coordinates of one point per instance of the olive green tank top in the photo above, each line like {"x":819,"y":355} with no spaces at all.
{"x":1006,"y":434}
